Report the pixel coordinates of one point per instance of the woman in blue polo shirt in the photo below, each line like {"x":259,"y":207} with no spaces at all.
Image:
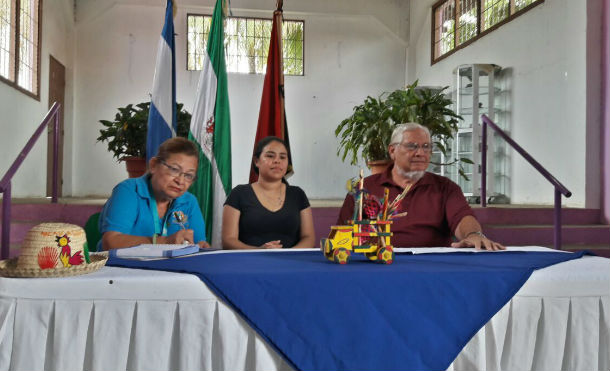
{"x":156,"y":208}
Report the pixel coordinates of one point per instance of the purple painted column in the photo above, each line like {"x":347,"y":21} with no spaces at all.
{"x":484,"y":165}
{"x":6,"y":222}
{"x":557,"y":211}
{"x":605,"y":124}
{"x":55,"y":157}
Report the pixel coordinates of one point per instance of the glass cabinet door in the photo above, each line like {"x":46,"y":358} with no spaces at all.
{"x":464,"y":150}
{"x":479,"y":90}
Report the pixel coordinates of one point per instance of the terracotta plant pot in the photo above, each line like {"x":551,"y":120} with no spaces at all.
{"x":136,"y":166}
{"x":378,"y":166}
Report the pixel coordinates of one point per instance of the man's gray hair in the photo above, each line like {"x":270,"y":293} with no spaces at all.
{"x":409,"y":126}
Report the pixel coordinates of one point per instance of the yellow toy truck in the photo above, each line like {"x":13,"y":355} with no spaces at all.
{"x":370,"y":236}
{"x":373,"y":242}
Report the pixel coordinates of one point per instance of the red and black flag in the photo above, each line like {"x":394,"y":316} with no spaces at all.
{"x":272,"y":114}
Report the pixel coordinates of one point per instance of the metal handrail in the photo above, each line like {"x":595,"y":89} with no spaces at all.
{"x":5,"y":183}
{"x":559,"y":188}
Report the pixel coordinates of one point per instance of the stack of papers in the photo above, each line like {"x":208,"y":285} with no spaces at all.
{"x":154,"y":251}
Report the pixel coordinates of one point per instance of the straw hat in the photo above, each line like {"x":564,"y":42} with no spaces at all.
{"x":52,"y":250}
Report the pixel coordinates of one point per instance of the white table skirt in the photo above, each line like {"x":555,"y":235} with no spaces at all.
{"x":127,"y":319}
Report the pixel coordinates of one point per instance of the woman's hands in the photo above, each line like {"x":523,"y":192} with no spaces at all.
{"x":180,"y":237}
{"x":277,"y":244}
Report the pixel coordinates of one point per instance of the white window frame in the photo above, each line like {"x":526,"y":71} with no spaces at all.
{"x":20,"y":54}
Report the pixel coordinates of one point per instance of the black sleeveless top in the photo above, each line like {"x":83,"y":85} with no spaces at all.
{"x":259,"y":225}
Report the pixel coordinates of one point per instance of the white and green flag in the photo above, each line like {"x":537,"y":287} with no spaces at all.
{"x":211,"y":131}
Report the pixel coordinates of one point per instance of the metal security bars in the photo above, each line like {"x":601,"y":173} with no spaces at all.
{"x":457,"y":23}
{"x":20,"y":45}
{"x":246,"y":44}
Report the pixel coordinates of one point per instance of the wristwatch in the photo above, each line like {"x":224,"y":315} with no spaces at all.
{"x":478,"y":233}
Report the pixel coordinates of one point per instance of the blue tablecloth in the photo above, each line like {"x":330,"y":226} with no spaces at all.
{"x":416,"y":314}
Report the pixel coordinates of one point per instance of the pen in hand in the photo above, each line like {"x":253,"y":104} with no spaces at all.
{"x":181,"y":220}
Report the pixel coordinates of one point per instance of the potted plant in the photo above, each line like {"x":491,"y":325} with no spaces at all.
{"x":126,"y":134}
{"x":367,"y":132}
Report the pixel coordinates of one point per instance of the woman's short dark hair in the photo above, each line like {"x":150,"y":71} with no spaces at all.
{"x":258,"y":149}
{"x":177,"y":145}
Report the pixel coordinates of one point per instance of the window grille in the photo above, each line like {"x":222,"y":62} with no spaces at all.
{"x":495,"y":11}
{"x":457,"y":23}
{"x":444,"y":30}
{"x":466,"y":20}
{"x":19,"y":44}
{"x":246,"y":43}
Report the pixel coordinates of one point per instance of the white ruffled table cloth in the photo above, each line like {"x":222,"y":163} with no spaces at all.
{"x":126,"y":319}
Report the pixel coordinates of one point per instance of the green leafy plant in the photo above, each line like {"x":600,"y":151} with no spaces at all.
{"x":367,"y":132}
{"x":126,"y":134}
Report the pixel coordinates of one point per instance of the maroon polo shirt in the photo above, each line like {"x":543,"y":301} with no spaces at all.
{"x":435,"y":207}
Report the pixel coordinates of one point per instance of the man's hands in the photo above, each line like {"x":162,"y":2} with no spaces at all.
{"x":469,"y":234}
{"x":479,"y":241}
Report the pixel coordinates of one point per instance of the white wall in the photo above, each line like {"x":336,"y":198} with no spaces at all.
{"x":353,"y":48}
{"x":21,"y":114}
{"x":546,"y":50}
{"x":349,"y":54}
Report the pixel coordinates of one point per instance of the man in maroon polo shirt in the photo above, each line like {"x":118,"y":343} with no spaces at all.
{"x":436,"y":207}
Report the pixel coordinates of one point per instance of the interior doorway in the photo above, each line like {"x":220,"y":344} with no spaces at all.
{"x":57,"y":85}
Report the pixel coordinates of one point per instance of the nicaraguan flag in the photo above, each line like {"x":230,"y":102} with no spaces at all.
{"x":162,"y":123}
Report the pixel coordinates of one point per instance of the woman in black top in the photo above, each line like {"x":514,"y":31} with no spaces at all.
{"x":269,"y":213}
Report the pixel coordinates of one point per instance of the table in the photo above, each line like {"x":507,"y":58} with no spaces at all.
{"x":125,"y":319}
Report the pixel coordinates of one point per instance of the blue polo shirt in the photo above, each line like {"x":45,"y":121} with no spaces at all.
{"x":128,"y":211}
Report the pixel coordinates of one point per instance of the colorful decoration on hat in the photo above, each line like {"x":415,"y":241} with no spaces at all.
{"x":52,"y":250}
{"x":369,"y":230}
{"x":48,"y":257}
{"x":65,"y":255}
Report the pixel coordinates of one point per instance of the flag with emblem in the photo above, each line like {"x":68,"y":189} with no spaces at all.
{"x":162,"y":123}
{"x":210,"y":129}
{"x":272,"y":114}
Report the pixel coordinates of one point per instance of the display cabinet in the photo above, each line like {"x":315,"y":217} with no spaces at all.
{"x":480,"y":89}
